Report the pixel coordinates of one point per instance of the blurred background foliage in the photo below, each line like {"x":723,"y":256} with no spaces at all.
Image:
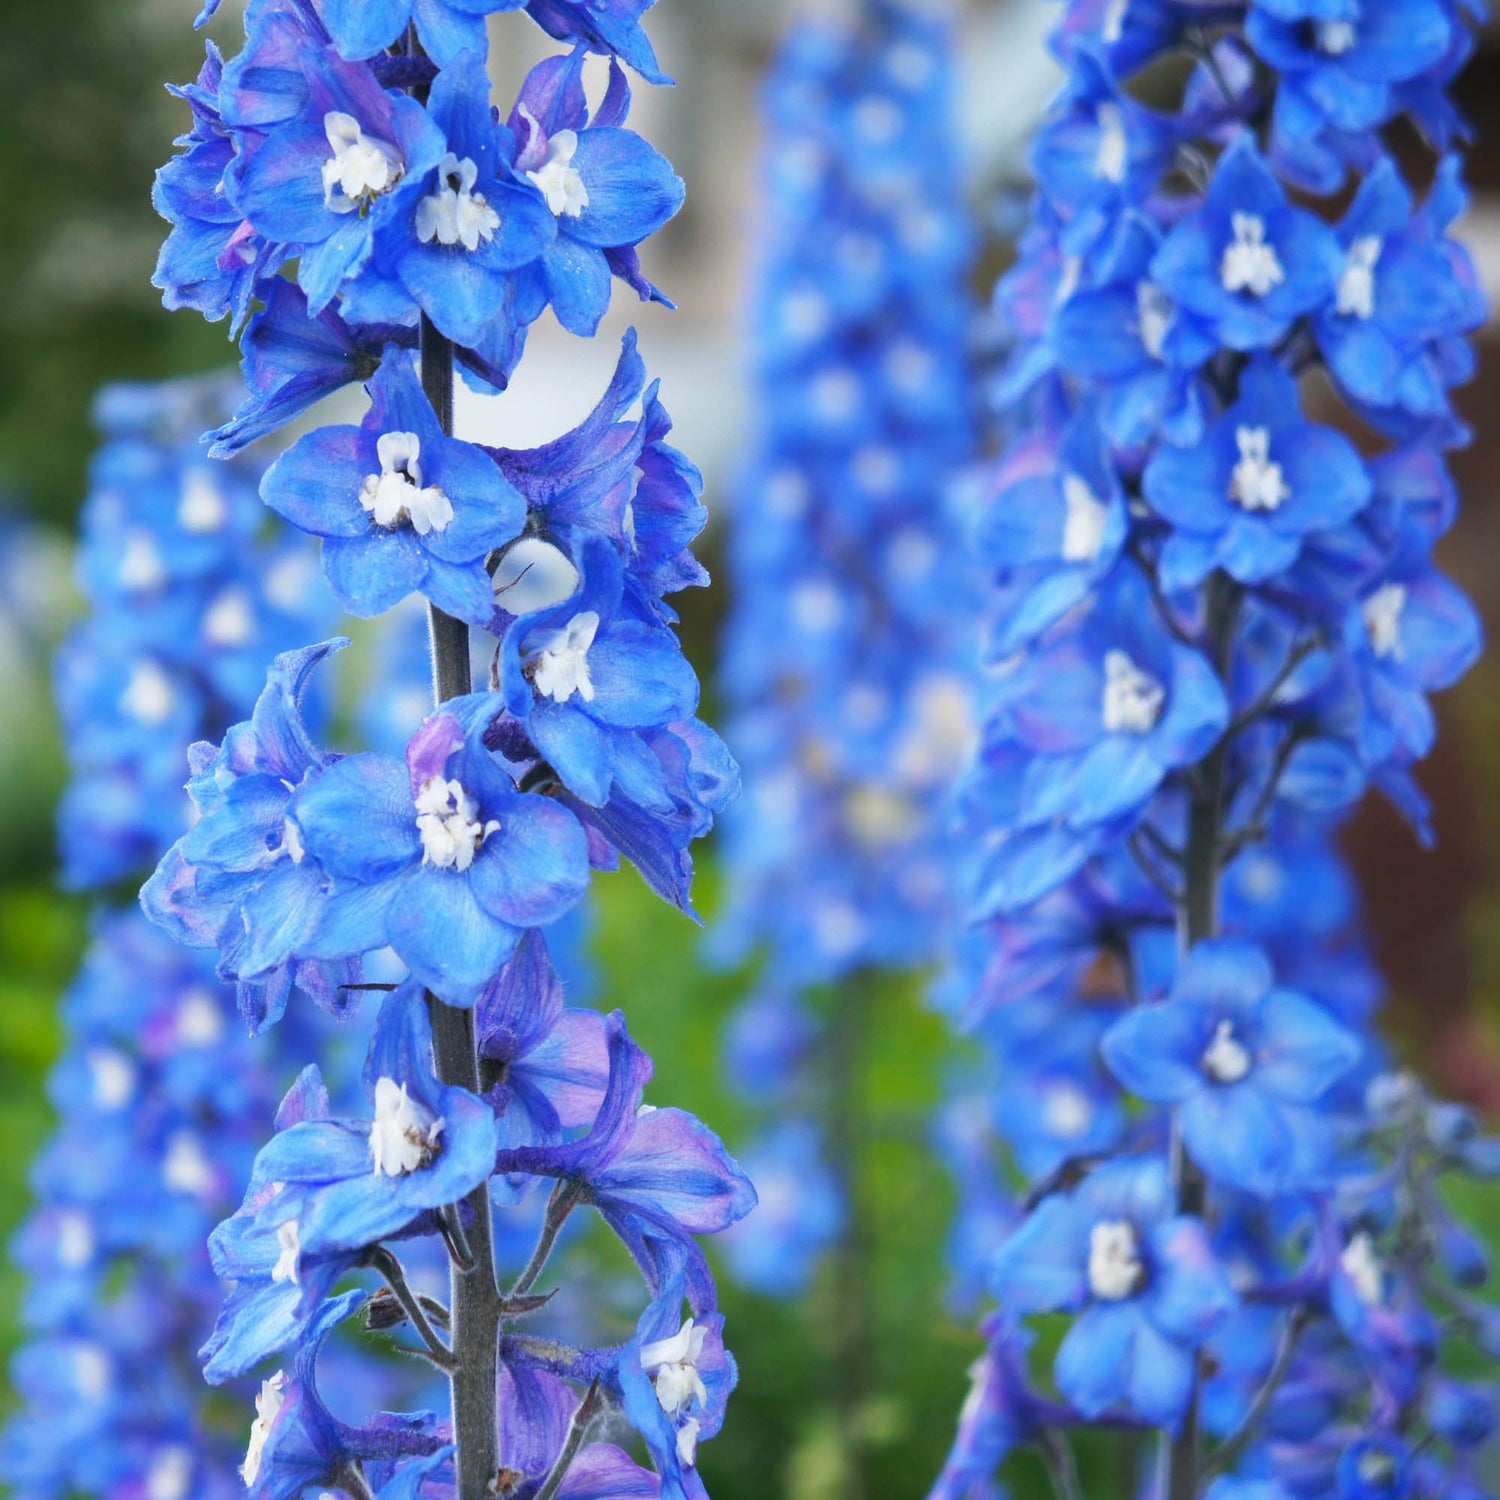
{"x":84,"y":121}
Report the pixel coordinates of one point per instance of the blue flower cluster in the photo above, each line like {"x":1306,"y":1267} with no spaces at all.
{"x":852,"y":723}
{"x":348,"y":171}
{"x":158,"y":1092}
{"x":188,"y":601}
{"x":1217,"y":626}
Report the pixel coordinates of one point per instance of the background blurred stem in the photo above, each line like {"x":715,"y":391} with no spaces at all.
{"x":852,"y":1342}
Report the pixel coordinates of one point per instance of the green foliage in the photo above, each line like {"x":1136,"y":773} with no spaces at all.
{"x":85,"y":123}
{"x":785,"y":1435}
{"x":41,"y":937}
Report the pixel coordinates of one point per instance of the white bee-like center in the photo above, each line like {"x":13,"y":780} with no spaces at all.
{"x":1250,"y":264}
{"x":558,"y":660}
{"x":403,"y":1134}
{"x":1257,"y":482}
{"x":1133,"y":699}
{"x":396,"y":495}
{"x":558,"y":180}
{"x":449,"y":825}
{"x":1356,"y":294}
{"x":456,"y":214}
{"x":1226,"y":1059}
{"x":1382,"y":613}
{"x":361,"y":169}
{"x":1116,"y":1269}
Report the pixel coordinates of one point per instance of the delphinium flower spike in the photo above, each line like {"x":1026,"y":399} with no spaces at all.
{"x":843,"y":548}
{"x":159,"y":1091}
{"x":349,"y":172}
{"x":1218,"y":623}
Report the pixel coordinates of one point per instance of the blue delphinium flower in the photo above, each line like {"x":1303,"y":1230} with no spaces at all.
{"x":1143,"y":1279}
{"x":356,"y":148}
{"x":1242,"y":1061}
{"x":1261,"y":479}
{"x":400,"y":507}
{"x":1167,"y":976}
{"x":441,"y":857}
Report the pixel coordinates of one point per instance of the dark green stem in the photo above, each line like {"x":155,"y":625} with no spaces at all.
{"x":1198,"y":920}
{"x":474,"y":1307}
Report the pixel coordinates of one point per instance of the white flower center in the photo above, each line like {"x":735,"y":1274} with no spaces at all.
{"x":361,"y":167}
{"x":396,"y":495}
{"x":816,"y":607}
{"x":75,"y":1240}
{"x":1112,"y":27}
{"x":114,"y":1078}
{"x":456,"y":214}
{"x":170,"y":1474}
{"x":558,"y":180}
{"x":202,"y":509}
{"x":1066,"y":1111}
{"x":1083,"y":527}
{"x":878,"y":818}
{"x":1362,"y":1267}
{"x":1256,"y":483}
{"x":448,"y":822}
{"x":1356,"y":297}
{"x":835,"y":395}
{"x":289,"y":1238}
{"x":1116,"y":1270}
{"x":186,"y":1167}
{"x":1382,"y":616}
{"x":200,"y":1020}
{"x":267,"y":1407}
{"x":230,"y":619}
{"x":140,"y":562}
{"x":941,"y":732}
{"x":1226,"y":1059}
{"x":1154,"y":312}
{"x":291,"y":842}
{"x":403,"y":1134}
{"x":92,"y":1370}
{"x":148,"y":696}
{"x":672,"y":1364}
{"x":558,"y":660}
{"x":1133,"y":699}
{"x":1336,"y":37}
{"x":1113,"y":152}
{"x":1249,"y":263}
